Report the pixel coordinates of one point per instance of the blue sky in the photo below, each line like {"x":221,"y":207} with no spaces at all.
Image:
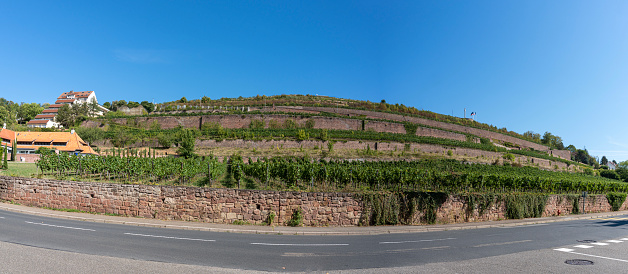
{"x":558,"y":66}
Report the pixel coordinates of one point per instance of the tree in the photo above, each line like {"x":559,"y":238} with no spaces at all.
{"x":206,"y":99}
{"x":6,"y":152}
{"x":90,"y":135}
{"x":188,"y":137}
{"x":70,"y":116}
{"x":623,"y":173}
{"x":604,"y":161}
{"x":107,"y":105}
{"x":532,"y":135}
{"x":164,"y":140}
{"x":122,"y":138}
{"x":148,"y":106}
{"x":14,"y":150}
{"x":552,"y":141}
{"x":183,"y":100}
{"x":132,"y":104}
{"x":27,"y":112}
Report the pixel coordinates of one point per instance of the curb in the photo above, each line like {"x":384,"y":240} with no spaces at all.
{"x":327,"y":231}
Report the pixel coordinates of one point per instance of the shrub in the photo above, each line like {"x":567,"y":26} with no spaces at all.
{"x":257,"y":124}
{"x":611,"y":174}
{"x":297,"y":217}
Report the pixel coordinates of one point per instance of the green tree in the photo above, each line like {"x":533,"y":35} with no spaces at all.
{"x":205,"y":100}
{"x":132,"y":104}
{"x":6,"y":164}
{"x":183,"y":100}
{"x":90,"y":135}
{"x":188,"y":138}
{"x":70,"y":116}
{"x":122,"y":137}
{"x":164,"y":140}
{"x":27,"y":112}
{"x":13,"y":150}
{"x":604,"y":161}
{"x":148,"y":106}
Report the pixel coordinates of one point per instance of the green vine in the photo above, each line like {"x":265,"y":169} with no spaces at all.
{"x":616,"y":199}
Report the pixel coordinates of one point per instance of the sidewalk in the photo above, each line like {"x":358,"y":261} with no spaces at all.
{"x":279,"y":230}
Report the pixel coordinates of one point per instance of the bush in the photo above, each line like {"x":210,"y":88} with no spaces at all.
{"x":257,"y":124}
{"x":164,"y":140}
{"x":616,"y":200}
{"x":611,"y":174}
{"x":297,"y":217}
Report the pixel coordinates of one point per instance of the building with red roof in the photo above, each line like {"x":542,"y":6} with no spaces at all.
{"x":47,"y":118}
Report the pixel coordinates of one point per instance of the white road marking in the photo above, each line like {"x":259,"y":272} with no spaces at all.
{"x":504,"y":243}
{"x":168,"y":237}
{"x":570,"y":251}
{"x":599,"y":243}
{"x":417,"y":241}
{"x":1,"y":217}
{"x":564,"y":249}
{"x":270,"y":244}
{"x":624,"y":239}
{"x":615,"y":241}
{"x":583,"y":246}
{"x":60,"y":226}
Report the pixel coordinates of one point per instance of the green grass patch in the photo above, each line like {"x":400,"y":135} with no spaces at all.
{"x":20,"y":170}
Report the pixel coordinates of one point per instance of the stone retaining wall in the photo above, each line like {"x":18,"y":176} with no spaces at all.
{"x":252,"y":206}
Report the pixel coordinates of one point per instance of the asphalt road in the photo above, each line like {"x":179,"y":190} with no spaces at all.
{"x":544,"y":247}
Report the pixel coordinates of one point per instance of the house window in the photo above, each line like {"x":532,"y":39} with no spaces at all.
{"x":25,"y":143}
{"x":59,"y":144}
{"x":42,"y":143}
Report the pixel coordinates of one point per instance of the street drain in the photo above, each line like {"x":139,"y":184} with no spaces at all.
{"x":587,"y":241}
{"x":579,"y":262}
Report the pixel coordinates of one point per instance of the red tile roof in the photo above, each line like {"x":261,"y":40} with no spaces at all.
{"x":78,"y":94}
{"x":44,"y":116}
{"x":31,"y":122}
{"x":50,"y":111}
{"x":55,"y":106}
{"x":64,"y":101}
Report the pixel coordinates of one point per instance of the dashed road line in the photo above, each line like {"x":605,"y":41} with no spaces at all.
{"x":416,"y":241}
{"x":583,"y":246}
{"x":169,"y":237}
{"x":504,"y":243}
{"x":615,"y":241}
{"x":60,"y":226}
{"x":1,"y":217}
{"x":271,"y":244}
{"x":599,"y":243}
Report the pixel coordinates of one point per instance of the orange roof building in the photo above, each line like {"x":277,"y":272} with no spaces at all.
{"x":70,"y":142}
{"x":6,"y":138}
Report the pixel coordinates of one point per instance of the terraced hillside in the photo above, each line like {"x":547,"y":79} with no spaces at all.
{"x":324,"y":127}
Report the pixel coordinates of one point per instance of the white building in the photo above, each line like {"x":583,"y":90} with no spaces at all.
{"x":47,"y":118}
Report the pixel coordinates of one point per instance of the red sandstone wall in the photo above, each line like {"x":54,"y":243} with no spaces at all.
{"x":422,"y":121}
{"x":384,"y":127}
{"x":229,"y":205}
{"x":423,"y":131}
{"x":182,"y":203}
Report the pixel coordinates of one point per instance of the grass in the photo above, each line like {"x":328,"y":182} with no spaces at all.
{"x":20,"y":169}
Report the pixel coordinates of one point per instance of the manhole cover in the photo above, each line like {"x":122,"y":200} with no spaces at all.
{"x":579,"y":262}
{"x":587,"y":241}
